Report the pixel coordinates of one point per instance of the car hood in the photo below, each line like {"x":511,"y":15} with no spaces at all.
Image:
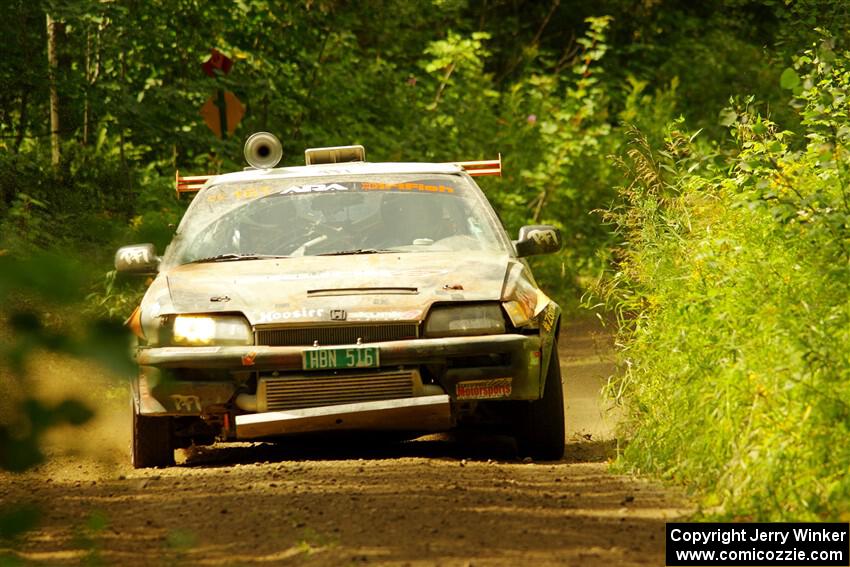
{"x":372,"y":287}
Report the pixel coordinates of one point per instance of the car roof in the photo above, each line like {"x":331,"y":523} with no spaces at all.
{"x":327,"y":169}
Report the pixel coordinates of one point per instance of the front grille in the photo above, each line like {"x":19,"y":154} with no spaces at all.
{"x":336,"y":334}
{"x":276,"y":394}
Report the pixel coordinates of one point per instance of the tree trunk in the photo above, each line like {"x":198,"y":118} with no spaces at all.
{"x":53,"y":66}
{"x":122,"y":58}
{"x":88,"y":73}
{"x":19,"y":139}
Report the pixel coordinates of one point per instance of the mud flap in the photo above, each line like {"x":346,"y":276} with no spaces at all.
{"x":425,"y":413}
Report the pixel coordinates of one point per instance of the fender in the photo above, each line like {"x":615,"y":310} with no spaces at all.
{"x":549,"y":321}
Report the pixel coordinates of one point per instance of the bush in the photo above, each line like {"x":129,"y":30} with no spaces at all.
{"x":732,"y":292}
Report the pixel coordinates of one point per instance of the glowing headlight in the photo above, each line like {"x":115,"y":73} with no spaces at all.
{"x":216,"y":330}
{"x":465,"y":320}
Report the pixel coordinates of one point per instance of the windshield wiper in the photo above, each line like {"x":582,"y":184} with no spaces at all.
{"x":235,"y":257}
{"x":360,"y":251}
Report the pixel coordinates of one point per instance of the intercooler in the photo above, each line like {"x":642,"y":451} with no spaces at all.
{"x":294,"y":392}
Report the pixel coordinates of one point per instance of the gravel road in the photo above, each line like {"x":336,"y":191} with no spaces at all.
{"x":440,"y":500}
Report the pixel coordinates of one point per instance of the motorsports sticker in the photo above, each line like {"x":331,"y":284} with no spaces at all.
{"x":484,"y":389}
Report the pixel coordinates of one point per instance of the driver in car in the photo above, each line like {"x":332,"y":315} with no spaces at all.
{"x":266,"y":228}
{"x":409,"y":219}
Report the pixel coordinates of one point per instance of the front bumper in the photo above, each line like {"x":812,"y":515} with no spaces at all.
{"x":512,"y":359}
{"x":423,"y":414}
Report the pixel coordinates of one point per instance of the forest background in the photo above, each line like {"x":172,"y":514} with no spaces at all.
{"x":693,"y":153}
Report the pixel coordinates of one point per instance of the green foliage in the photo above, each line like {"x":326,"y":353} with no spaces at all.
{"x":729,"y":280}
{"x":115,"y":297}
{"x":38,"y":315}
{"x":27,"y":223}
{"x":557,"y":172}
{"x":86,"y":537}
{"x":732,"y":293}
{"x":17,"y":520}
{"x":544,"y":85}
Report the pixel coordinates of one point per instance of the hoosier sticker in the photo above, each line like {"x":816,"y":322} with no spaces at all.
{"x":484,"y":389}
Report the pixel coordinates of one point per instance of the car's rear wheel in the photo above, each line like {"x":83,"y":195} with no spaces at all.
{"x":540,"y":424}
{"x":153,"y":444}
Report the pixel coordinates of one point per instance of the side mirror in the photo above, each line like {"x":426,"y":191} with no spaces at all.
{"x":139,"y":259}
{"x":538,"y":239}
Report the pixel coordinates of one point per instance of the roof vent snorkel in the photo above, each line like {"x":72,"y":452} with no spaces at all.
{"x":263,"y":150}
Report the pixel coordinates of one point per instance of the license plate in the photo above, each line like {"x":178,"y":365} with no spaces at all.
{"x":333,"y":358}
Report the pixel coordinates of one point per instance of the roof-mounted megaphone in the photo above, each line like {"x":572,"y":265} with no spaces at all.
{"x":263,"y":150}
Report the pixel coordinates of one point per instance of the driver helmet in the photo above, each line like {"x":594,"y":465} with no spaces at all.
{"x":411,"y":216}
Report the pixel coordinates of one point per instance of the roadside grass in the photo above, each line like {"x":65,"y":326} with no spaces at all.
{"x":734,"y":306}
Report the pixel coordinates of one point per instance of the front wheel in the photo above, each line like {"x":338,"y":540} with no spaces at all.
{"x":540,"y":431}
{"x":152,"y":441}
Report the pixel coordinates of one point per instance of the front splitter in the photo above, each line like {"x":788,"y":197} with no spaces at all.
{"x":425,"y":414}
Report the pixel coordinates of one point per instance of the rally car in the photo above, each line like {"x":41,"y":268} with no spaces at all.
{"x":342,"y":296}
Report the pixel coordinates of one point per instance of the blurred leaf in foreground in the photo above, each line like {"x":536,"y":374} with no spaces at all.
{"x":17,"y":520}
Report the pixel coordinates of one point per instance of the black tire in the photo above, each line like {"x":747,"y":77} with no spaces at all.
{"x":152,"y":441}
{"x":540,"y":431}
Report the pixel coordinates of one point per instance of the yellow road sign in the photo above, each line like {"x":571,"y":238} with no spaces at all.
{"x":222,"y":109}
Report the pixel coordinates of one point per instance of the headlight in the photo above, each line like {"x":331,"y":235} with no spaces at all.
{"x":519,"y":312}
{"x":523,"y":300}
{"x":211,"y":330}
{"x":465,"y":320}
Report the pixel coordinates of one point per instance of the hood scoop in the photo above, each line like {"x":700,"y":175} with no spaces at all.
{"x":362,"y":291}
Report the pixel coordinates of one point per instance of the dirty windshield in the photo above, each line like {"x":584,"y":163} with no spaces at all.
{"x":340,"y":215}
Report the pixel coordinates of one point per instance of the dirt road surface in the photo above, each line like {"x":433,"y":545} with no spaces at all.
{"x":436,"y":501}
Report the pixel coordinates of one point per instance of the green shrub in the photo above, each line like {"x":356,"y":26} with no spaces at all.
{"x":732,"y":289}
